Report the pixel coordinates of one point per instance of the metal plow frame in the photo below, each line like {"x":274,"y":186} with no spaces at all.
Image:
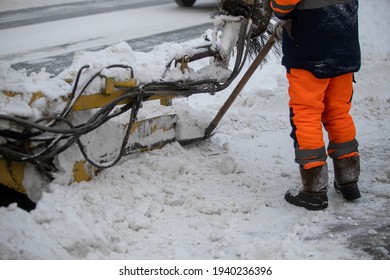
{"x":25,"y":154}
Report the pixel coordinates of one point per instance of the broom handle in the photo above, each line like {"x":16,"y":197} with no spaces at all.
{"x":248,"y":74}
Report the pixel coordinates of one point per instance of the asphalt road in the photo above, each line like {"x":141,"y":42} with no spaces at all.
{"x":17,"y":18}
{"x":22,"y":31}
{"x":56,"y":64}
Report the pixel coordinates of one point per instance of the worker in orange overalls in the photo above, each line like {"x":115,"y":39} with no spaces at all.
{"x":321,"y":52}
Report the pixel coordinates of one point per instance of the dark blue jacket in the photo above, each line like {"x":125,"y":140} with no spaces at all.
{"x":323,"y":40}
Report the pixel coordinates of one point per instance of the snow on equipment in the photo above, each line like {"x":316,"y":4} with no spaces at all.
{"x":68,"y":135}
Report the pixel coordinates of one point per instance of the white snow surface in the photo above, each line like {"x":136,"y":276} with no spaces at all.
{"x":223,"y":199}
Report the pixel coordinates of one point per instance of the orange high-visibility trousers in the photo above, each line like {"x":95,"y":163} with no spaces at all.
{"x":315,"y":103}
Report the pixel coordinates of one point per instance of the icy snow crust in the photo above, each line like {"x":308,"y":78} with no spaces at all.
{"x":223,"y":199}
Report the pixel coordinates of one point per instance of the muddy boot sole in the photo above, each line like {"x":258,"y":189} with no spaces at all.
{"x":309,"y":201}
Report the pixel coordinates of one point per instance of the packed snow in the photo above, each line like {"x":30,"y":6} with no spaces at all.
{"x":223,"y":198}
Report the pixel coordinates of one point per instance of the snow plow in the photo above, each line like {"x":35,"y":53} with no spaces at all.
{"x":91,"y":121}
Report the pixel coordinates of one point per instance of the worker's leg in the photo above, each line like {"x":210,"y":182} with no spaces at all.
{"x":307,"y":95}
{"x":343,"y":147}
{"x":337,"y":120}
{"x":307,"y":106}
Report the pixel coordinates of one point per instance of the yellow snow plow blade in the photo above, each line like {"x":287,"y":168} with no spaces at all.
{"x":141,"y":135}
{"x":12,"y":174}
{"x":147,"y":134}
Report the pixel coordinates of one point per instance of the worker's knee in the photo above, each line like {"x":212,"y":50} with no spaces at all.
{"x":343,"y":150}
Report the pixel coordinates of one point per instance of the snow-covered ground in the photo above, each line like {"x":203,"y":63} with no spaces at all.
{"x":223,"y":199}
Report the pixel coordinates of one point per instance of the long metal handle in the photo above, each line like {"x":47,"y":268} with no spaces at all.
{"x":248,"y":74}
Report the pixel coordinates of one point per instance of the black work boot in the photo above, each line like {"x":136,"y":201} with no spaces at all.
{"x":313,"y":194}
{"x":346,"y":173}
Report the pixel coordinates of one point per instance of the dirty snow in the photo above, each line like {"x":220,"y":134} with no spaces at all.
{"x":223,"y":199}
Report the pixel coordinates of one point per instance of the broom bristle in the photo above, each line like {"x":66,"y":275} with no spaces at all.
{"x":263,"y":28}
